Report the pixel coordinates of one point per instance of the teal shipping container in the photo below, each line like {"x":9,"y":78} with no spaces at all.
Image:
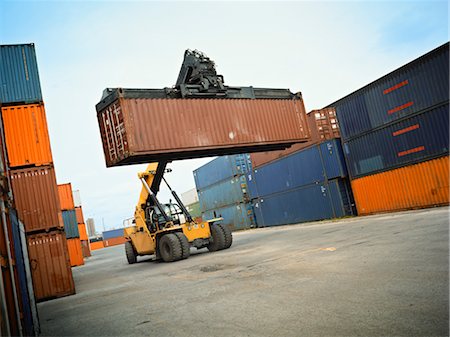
{"x":238,"y":217}
{"x":70,"y":224}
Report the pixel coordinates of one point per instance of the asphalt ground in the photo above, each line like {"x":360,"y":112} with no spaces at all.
{"x":382,"y":275}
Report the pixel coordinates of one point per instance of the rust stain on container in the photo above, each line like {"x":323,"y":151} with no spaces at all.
{"x":85,"y":248}
{"x":322,"y":124}
{"x":82,"y":231}
{"x":134,"y":130}
{"x":26,"y":133}
{"x":79,"y":213}
{"x":97,"y":245}
{"x":114,"y":241}
{"x":65,"y":196}
{"x":75,"y":252}
{"x":50,"y":265}
{"x":416,"y":186}
{"x":36,"y":198}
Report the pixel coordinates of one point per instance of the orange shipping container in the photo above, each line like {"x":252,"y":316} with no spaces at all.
{"x":75,"y":252}
{"x":79,"y":213}
{"x":82,"y":231}
{"x":26,"y":133}
{"x":416,"y":186}
{"x":85,"y":248}
{"x":114,"y":241}
{"x":65,"y":196}
{"x":50,"y":265}
{"x":97,"y":245}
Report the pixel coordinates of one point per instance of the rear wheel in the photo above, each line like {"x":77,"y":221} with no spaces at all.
{"x":227,"y":235}
{"x":217,"y":240}
{"x":185,"y":247}
{"x":170,"y":248}
{"x":131,"y":254}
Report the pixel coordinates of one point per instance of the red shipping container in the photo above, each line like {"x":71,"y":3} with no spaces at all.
{"x":65,"y":196}
{"x":79,"y":213}
{"x":114,"y":241}
{"x":85,"y":248}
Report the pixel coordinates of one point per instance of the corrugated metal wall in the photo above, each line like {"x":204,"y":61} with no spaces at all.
{"x":114,"y":233}
{"x":237,"y":216}
{"x":70,"y":224}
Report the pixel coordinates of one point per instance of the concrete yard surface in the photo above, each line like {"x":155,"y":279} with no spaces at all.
{"x":382,"y":275}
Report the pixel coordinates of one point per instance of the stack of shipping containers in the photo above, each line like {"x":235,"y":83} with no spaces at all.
{"x":395,"y":134}
{"x":70,"y":224}
{"x":191,"y":202}
{"x":222,"y":191}
{"x":304,"y":183}
{"x":113,"y":237}
{"x":32,"y":173}
{"x":84,"y":239}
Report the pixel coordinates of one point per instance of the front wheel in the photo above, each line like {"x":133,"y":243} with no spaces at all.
{"x":170,"y":248}
{"x":228,"y":236}
{"x":217,"y":240}
{"x":131,"y":254}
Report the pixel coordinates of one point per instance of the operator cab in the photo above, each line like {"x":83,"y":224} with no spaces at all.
{"x":156,"y":221}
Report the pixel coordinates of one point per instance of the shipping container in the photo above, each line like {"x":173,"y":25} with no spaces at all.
{"x":79,"y":213}
{"x":227,"y":192}
{"x":411,"y":140}
{"x":194,"y":210}
{"x":50,"y":265}
{"x":130,"y":126}
{"x":189,"y":197}
{"x":26,"y":133}
{"x":83,"y":232}
{"x":76,"y":198}
{"x":237,"y":216}
{"x":36,"y":198}
{"x":326,"y":200}
{"x":96,"y":245}
{"x":415,"y":186}
{"x":19,"y":76}
{"x":70,"y":224}
{"x":85,"y":248}
{"x":326,"y":123}
{"x":114,"y":233}
{"x":419,"y":85}
{"x":75,"y":252}
{"x":120,"y":240}
{"x":65,"y":196}
{"x":220,"y":169}
{"x":315,"y":164}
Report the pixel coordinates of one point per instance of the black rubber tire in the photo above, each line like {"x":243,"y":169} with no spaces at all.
{"x":217,"y":240}
{"x":130,"y":253}
{"x":185,"y":246}
{"x":227,"y":234}
{"x":170,"y":248}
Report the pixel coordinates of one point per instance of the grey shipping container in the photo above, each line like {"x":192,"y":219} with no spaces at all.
{"x":327,"y":200}
{"x":237,"y":216}
{"x":411,"y":140}
{"x":19,"y":76}
{"x":114,"y":233}
{"x":221,"y":168}
{"x":70,"y":224}
{"x":419,"y":85}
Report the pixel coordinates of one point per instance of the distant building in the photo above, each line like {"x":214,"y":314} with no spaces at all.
{"x":90,"y":227}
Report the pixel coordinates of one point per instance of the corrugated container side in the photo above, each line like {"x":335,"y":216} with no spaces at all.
{"x":83,"y":232}
{"x":50,"y":265}
{"x":307,"y":203}
{"x":65,"y":196}
{"x":114,"y":241}
{"x":85,"y":248}
{"x":75,"y":252}
{"x":326,"y":123}
{"x":19,"y":77}
{"x":412,"y":140}
{"x":416,"y":186}
{"x":414,"y":87}
{"x":194,"y":210}
{"x":238,"y":216}
{"x":228,"y":192}
{"x":96,"y":245}
{"x":76,"y":198}
{"x":36,"y":198}
{"x":220,"y":169}
{"x":130,"y":132}
{"x":70,"y":224}
{"x":114,"y":233}
{"x":26,"y":133}
{"x":79,"y":213}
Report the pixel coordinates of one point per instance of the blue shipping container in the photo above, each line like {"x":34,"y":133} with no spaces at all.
{"x":70,"y":224}
{"x":19,"y":77}
{"x":238,"y":216}
{"x":315,"y":164}
{"x":114,"y":233}
{"x":221,"y":168}
{"x":412,"y":88}
{"x":226,"y":192}
{"x":332,"y":199}
{"x":409,"y":141}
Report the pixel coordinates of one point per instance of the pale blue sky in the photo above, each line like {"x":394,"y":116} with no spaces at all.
{"x":323,"y":49}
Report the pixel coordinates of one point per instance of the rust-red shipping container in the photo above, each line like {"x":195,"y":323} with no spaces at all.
{"x":79,"y":214}
{"x":415,"y":186}
{"x":85,"y":248}
{"x":50,"y":265}
{"x":36,"y":198}
{"x":114,"y":241}
{"x":133,"y":126}
{"x":65,"y":196}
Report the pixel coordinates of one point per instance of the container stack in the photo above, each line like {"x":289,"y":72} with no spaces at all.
{"x":308,"y":185}
{"x":192,"y":204}
{"x":222,"y":191}
{"x":396,"y":136}
{"x":81,"y":224}
{"x":113,"y":237}
{"x":32,"y":172}
{"x":96,"y":243}
{"x":71,"y":224}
